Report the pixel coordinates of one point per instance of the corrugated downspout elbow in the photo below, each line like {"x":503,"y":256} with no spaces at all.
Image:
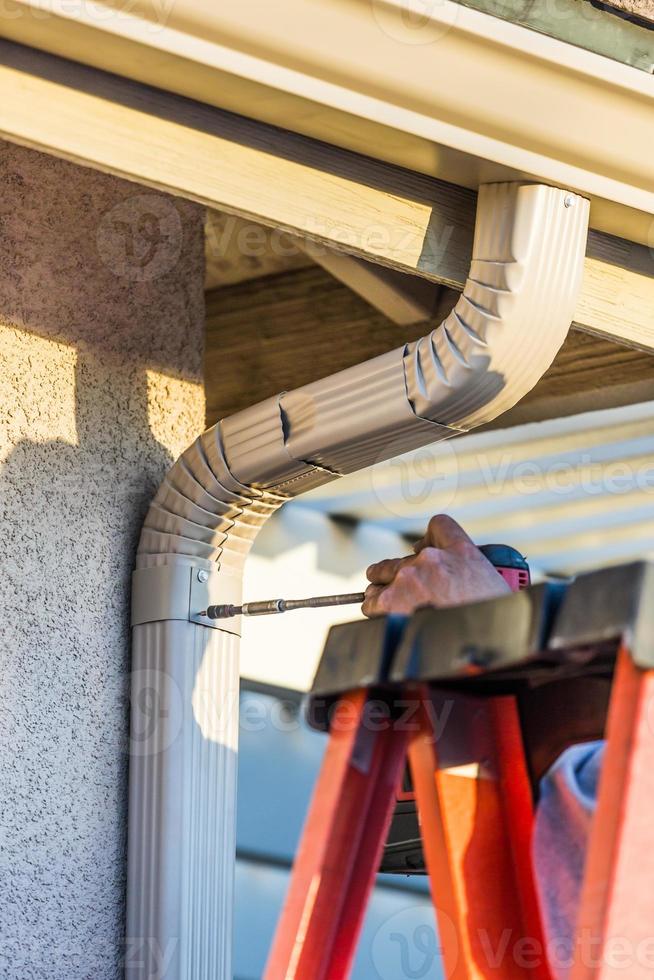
{"x":501,"y":337}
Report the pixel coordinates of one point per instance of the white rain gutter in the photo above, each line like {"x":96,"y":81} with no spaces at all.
{"x":437,"y":88}
{"x":501,"y":337}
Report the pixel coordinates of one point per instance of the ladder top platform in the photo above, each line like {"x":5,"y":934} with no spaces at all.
{"x":545,"y":633}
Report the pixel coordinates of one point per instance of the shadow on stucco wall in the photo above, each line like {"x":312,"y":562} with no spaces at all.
{"x":101,"y":332}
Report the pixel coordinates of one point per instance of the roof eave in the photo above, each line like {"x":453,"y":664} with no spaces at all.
{"x":462,"y":96}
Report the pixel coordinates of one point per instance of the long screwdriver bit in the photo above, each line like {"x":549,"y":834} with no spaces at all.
{"x":271,"y":607}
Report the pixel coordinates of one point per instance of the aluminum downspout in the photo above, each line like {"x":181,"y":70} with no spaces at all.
{"x":499,"y":340}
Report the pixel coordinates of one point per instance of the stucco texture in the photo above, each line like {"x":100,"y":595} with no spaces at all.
{"x":639,"y":8}
{"x":101,"y":330}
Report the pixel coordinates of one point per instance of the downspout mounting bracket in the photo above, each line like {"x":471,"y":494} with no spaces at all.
{"x":181,"y":592}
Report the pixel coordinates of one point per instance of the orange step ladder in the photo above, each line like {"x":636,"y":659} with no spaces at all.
{"x":479,"y":700}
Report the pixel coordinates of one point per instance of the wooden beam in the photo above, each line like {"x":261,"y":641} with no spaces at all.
{"x":588,"y":374}
{"x":402,"y":298}
{"x":259,"y":330}
{"x":403,"y":220}
{"x":256,"y":343}
{"x":617,"y":295}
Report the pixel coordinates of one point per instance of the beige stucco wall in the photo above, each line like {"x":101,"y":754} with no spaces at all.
{"x":640,"y":8}
{"x":101,"y":327}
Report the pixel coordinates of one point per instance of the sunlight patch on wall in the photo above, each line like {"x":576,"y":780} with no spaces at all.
{"x":175,"y":407}
{"x":37,"y":390}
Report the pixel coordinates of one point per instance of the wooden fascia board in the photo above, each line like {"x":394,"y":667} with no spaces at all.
{"x":456,"y":94}
{"x":400,"y":219}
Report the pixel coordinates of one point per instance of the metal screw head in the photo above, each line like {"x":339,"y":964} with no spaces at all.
{"x":568,"y":201}
{"x":203,"y":576}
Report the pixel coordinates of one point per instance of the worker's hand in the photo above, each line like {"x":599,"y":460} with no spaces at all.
{"x":447,"y":569}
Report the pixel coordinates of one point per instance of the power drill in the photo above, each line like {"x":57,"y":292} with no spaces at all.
{"x":509,"y":563}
